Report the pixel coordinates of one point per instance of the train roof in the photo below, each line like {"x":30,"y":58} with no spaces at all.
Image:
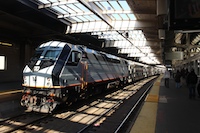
{"x":60,"y":44}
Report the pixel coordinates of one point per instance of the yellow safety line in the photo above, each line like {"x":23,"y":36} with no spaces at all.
{"x":152,"y":98}
{"x":10,"y":92}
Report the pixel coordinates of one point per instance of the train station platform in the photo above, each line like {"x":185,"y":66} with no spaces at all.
{"x":168,"y":110}
{"x":10,"y":87}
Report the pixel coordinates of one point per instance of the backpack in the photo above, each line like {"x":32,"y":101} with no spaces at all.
{"x":193,"y":78}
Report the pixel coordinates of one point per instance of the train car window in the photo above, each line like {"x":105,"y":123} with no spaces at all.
{"x":84,"y":54}
{"x":74,"y":58}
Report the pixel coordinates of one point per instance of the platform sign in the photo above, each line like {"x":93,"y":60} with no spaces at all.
{"x":2,"y":62}
{"x":184,"y":14}
{"x":174,"y":56}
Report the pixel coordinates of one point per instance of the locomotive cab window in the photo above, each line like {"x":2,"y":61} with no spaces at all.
{"x":52,"y":54}
{"x":74,"y":58}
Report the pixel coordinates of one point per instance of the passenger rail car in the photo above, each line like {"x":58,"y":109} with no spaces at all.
{"x":60,"y":72}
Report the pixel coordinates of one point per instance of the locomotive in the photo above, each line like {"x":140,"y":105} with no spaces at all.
{"x":61,"y":72}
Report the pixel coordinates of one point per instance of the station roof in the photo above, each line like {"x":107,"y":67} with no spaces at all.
{"x":113,"y":21}
{"x":125,"y":28}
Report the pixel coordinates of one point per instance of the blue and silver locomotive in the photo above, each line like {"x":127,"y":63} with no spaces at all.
{"x":60,"y":72}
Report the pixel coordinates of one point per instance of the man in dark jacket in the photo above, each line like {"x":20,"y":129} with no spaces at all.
{"x":191,"y":82}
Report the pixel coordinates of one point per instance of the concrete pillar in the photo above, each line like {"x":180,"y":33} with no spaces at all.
{"x":162,"y":7}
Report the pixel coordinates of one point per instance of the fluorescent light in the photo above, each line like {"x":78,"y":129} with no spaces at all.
{"x":6,"y":44}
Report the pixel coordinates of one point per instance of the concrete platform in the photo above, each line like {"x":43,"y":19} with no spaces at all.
{"x":168,"y":110}
{"x":10,"y":87}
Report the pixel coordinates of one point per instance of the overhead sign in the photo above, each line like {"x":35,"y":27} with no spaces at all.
{"x":174,"y":55}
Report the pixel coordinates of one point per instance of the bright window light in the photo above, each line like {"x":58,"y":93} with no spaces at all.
{"x":124,"y":5}
{"x":60,"y":10}
{"x":124,"y":16}
{"x":115,"y":5}
{"x":75,"y":8}
{"x":2,"y":62}
{"x":53,"y":0}
{"x":106,"y":5}
{"x":131,"y":16}
{"x":45,"y":1}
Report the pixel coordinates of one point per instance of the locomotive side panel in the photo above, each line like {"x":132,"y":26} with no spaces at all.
{"x":95,"y":70}
{"x":71,"y":74}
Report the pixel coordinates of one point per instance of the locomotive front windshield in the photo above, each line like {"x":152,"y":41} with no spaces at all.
{"x":49,"y":58}
{"x":44,"y":58}
{"x":34,"y":59}
{"x":51,"y":55}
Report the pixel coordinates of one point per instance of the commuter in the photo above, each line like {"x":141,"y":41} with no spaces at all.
{"x":166,"y":77}
{"x":191,"y":82}
{"x":186,"y":74}
{"x":182,"y":76}
{"x":183,"y":73}
{"x":198,"y":89}
{"x":178,"y":79}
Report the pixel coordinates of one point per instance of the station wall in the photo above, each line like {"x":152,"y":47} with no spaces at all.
{"x":16,"y":56}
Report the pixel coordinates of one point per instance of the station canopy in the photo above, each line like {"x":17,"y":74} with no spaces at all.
{"x":112,"y":20}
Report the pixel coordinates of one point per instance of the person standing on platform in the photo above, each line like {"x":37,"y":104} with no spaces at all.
{"x":178,"y":79}
{"x":166,"y":77}
{"x":191,"y":82}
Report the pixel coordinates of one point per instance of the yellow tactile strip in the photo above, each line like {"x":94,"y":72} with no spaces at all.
{"x":157,"y":83}
{"x":146,"y":121}
{"x":152,"y":98}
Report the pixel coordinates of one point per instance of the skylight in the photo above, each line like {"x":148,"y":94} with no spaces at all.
{"x":110,"y":20}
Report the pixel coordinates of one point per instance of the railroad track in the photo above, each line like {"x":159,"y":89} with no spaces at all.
{"x":124,"y":94}
{"x":75,"y":120}
{"x":18,"y":122}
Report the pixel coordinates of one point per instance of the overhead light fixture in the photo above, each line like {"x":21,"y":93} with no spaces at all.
{"x":6,"y":44}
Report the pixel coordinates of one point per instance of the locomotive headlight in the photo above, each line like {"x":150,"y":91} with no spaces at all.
{"x":48,"y":81}
{"x":51,"y":93}
{"x":27,"y":91}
